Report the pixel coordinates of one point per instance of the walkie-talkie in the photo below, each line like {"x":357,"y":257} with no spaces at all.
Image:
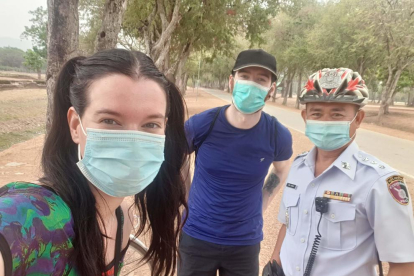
{"x":322,"y":206}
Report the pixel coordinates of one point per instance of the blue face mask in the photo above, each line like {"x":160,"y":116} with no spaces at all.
{"x":121,"y":163}
{"x":329,"y":135}
{"x":248,"y":96}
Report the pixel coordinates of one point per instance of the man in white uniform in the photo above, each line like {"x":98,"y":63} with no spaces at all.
{"x":368,"y":210}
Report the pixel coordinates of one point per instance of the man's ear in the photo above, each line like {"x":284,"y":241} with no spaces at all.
{"x":303,"y":114}
{"x":359,"y":118}
{"x":271,"y":91}
{"x":231,"y":83}
{"x":74,"y":125}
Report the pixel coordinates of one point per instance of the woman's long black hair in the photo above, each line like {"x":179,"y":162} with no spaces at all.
{"x":159,"y":204}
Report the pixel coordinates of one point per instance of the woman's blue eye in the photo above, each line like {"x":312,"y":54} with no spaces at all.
{"x":152,"y":125}
{"x":109,"y":122}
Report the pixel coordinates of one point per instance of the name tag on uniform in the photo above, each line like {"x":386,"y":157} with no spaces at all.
{"x":338,"y":196}
{"x":290,"y":185}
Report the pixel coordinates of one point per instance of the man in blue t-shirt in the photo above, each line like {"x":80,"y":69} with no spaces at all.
{"x":235,"y":146}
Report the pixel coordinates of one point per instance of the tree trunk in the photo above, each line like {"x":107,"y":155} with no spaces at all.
{"x":297,"y":104}
{"x":285,"y":92}
{"x":111,"y":24}
{"x":62,"y":43}
{"x":283,"y":82}
{"x":288,"y":88}
{"x":39,"y":73}
{"x":161,"y":48}
{"x":388,"y":91}
{"x":361,"y":66}
{"x":411,"y":102}
{"x":178,"y":70}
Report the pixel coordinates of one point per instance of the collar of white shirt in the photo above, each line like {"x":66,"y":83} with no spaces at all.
{"x":346,"y":162}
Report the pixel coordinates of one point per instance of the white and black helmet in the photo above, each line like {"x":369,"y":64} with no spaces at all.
{"x":340,"y":85}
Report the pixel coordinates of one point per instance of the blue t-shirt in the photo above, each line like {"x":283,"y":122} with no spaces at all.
{"x":225,"y":202}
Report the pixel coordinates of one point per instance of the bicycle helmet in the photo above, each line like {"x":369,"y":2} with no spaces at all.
{"x":340,"y":85}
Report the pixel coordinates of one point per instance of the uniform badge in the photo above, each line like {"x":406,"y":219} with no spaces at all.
{"x":346,"y":165}
{"x":290,"y":185}
{"x":331,"y":79}
{"x":338,"y":196}
{"x":398,"y":189}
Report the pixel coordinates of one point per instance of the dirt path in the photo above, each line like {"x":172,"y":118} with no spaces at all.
{"x":21,"y":162}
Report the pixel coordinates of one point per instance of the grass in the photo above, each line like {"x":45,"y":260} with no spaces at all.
{"x":22,"y":115}
{"x":10,"y":138}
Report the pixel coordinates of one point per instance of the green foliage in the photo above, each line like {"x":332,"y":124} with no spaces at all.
{"x":37,"y":32}
{"x":33,"y":60}
{"x":207,"y":25}
{"x":406,"y":80}
{"x":304,"y":35}
{"x":90,"y":13}
{"x":11,"y":57}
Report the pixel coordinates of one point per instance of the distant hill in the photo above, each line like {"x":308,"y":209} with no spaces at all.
{"x":15,"y":42}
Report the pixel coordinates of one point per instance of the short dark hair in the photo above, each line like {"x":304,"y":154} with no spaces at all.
{"x":273,"y":77}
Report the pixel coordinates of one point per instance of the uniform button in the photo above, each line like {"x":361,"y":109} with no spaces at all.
{"x":333,"y":216}
{"x":305,"y":212}
{"x":302,"y":240}
{"x":313,"y":184}
{"x":298,"y":268}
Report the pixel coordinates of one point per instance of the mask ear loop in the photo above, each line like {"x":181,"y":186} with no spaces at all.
{"x":353,"y":136}
{"x":83,"y":130}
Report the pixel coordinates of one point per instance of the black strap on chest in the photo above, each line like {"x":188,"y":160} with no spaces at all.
{"x":380,"y":268}
{"x":118,"y":240}
{"x":214,"y":122}
{"x":209,"y":130}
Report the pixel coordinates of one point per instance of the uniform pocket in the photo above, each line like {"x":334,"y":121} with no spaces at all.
{"x":291,"y":202}
{"x":338,"y":227}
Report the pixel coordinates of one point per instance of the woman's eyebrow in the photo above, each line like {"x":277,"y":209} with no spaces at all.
{"x":107,"y":111}
{"x":156,"y":116}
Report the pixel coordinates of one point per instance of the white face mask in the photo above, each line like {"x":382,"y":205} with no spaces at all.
{"x":121,"y":163}
{"x":329,"y":135}
{"x":249,"y":96}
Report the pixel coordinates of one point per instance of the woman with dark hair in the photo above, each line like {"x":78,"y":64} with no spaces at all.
{"x":117,"y":130}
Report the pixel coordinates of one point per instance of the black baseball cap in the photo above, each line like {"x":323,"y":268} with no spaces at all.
{"x":255,"y":57}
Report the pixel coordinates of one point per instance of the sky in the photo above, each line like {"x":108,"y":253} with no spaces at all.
{"x":14,"y":15}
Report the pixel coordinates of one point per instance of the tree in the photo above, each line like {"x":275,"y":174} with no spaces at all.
{"x":171,"y":29}
{"x":11,"y":57}
{"x":37,"y":32}
{"x":111,"y":24}
{"x":339,"y":41}
{"x":34,"y":61}
{"x":291,"y":46}
{"x":62,"y":42}
{"x":390,"y":23}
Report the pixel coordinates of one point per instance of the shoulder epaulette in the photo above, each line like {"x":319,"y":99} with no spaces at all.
{"x":368,"y":160}
{"x":301,"y":155}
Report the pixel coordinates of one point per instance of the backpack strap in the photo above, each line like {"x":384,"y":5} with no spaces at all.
{"x":275,"y":125}
{"x":209,"y":130}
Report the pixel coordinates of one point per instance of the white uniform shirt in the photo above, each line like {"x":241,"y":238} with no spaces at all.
{"x":379,"y":216}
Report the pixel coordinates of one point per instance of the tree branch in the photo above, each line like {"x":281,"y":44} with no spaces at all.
{"x":167,"y":33}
